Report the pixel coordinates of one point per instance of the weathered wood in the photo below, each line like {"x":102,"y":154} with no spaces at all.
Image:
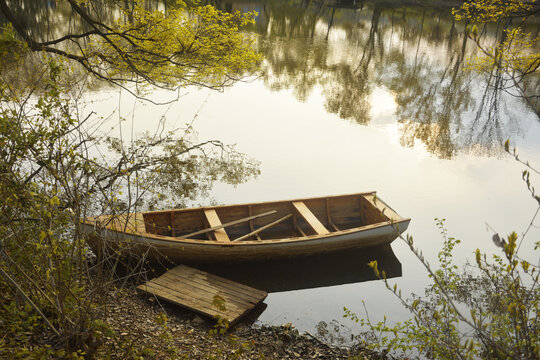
{"x":385,"y":209}
{"x":250,"y":213}
{"x":239,"y":221}
{"x":187,"y":272}
{"x":362,"y":211}
{"x":251,"y":227}
{"x":199,"y":277}
{"x":173,"y":231}
{"x":327,"y":206}
{"x":311,"y":219}
{"x":213,"y":220}
{"x":195,"y":289}
{"x":263,"y":228}
{"x":300,"y":231}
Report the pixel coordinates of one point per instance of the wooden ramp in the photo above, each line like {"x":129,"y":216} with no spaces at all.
{"x":196,"y":290}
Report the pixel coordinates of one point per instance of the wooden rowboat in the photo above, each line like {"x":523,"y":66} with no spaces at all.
{"x":249,"y":232}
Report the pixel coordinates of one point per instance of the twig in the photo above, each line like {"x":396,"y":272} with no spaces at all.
{"x":14,"y":283}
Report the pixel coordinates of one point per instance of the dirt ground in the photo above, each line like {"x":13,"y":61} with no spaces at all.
{"x":150,"y":329}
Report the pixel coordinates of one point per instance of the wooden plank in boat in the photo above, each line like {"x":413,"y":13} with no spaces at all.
{"x":195,"y":289}
{"x":213,"y":220}
{"x":235,"y":222}
{"x":255,"y":232}
{"x":311,"y":219}
{"x":383,"y":207}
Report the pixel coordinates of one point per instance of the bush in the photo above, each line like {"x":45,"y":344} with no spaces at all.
{"x":52,"y":298}
{"x":486,"y":309}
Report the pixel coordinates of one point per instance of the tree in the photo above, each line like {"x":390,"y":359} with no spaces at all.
{"x":515,"y":54}
{"x":167,"y":49}
{"x":52,"y":172}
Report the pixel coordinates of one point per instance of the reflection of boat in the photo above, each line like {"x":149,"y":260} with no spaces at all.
{"x":344,"y":267}
{"x":250,"y":232}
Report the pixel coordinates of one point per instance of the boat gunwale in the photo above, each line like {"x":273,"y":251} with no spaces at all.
{"x":258,"y":203}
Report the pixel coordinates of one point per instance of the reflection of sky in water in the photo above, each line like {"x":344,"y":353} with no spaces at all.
{"x":383,"y":107}
{"x":305,"y":151}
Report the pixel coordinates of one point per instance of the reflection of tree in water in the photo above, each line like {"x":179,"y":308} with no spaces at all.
{"x":488,"y":129}
{"x":295,"y":57}
{"x":431,"y":102}
{"x":296,"y":64}
{"x":346,"y":49}
{"x":486,"y":124}
{"x":417,"y":54}
{"x":46,"y":20}
{"x":299,"y":57}
{"x":348,"y":89}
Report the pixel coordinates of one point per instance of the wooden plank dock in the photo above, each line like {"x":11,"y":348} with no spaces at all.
{"x":196,"y":290}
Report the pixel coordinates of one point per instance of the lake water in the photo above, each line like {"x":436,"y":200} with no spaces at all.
{"x":357,"y":97}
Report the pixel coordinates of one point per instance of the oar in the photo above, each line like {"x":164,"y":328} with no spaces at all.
{"x":229,"y":224}
{"x":263,"y":228}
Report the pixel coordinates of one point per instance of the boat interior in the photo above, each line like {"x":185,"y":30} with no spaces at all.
{"x":271,"y":220}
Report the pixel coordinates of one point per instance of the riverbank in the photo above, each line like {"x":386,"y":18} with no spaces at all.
{"x":146,"y":328}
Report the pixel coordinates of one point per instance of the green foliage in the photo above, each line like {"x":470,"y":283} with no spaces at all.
{"x":175,"y":47}
{"x":168,"y":48}
{"x":493,"y":10}
{"x":515,"y":54}
{"x":171,"y":169}
{"x":222,"y":324}
{"x":52,"y":175}
{"x":51,"y":296}
{"x":41,"y":251}
{"x":487,"y":309}
{"x":10,"y":47}
{"x":236,"y":348}
{"x":165,"y":336}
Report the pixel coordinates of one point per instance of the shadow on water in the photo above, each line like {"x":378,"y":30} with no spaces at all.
{"x":311,"y":272}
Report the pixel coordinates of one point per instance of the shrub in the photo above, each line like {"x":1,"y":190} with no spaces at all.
{"x":488,"y":308}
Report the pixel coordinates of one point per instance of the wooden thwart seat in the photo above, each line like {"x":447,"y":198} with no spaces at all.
{"x":213,"y":220}
{"x":311,"y":219}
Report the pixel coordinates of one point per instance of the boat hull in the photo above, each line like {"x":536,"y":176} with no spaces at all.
{"x":161,"y":250}
{"x":134,"y":239}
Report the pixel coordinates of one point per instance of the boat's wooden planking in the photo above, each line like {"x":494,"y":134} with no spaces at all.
{"x":330,"y":214}
{"x":310,"y":218}
{"x":233,"y":213}
{"x":354,"y":221}
{"x":159,"y":224}
{"x":344,"y":213}
{"x":214,"y":251}
{"x":214,"y":221}
{"x":185,"y":222}
{"x":371,"y":214}
{"x":238,"y":212}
